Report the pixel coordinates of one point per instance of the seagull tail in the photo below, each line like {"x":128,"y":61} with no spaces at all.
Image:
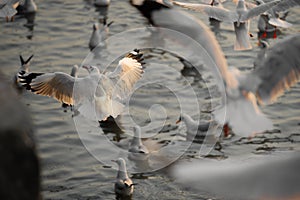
{"x":243,"y":116}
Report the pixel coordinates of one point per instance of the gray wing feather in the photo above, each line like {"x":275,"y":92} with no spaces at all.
{"x":279,"y":70}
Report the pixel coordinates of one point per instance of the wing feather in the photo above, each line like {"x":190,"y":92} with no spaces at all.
{"x":279,"y":70}
{"x":218,"y":13}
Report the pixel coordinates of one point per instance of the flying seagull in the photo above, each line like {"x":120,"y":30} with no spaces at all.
{"x":239,"y":18}
{"x":277,"y":71}
{"x":96,"y":96}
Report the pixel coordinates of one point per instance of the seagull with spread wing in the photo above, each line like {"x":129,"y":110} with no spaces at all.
{"x":278,"y":70}
{"x":96,"y":96}
{"x":240,"y":18}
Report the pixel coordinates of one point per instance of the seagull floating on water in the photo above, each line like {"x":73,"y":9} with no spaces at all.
{"x":194,"y":128}
{"x":27,"y":7}
{"x":278,"y":70}
{"x":123,"y":185}
{"x":8,"y":9}
{"x":102,"y":3}
{"x":24,"y":68}
{"x":96,"y":96}
{"x":239,"y":18}
{"x":137,"y":148}
{"x":99,"y":35}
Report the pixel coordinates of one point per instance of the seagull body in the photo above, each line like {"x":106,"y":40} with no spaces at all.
{"x":123,"y":185}
{"x":97,"y":96}
{"x":137,"y":148}
{"x":27,"y":7}
{"x":240,"y":18}
{"x":278,"y":70}
{"x":194,"y":129}
{"x":99,"y":34}
{"x":101,"y":3}
{"x":8,"y":8}
{"x":24,"y":68}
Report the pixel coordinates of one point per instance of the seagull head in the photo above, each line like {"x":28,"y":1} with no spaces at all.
{"x":91,"y":69}
{"x":121,"y":163}
{"x":95,"y":26}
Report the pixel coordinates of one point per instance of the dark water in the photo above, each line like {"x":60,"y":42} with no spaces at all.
{"x":58,"y":38}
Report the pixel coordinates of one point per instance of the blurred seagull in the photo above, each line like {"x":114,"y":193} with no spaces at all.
{"x":193,"y":127}
{"x":101,"y":3}
{"x":123,"y":185}
{"x":259,"y":177}
{"x":136,"y":145}
{"x":97,"y":95}
{"x":23,"y":69}
{"x":240,"y":18}
{"x":99,"y":34}
{"x":8,"y":9}
{"x":27,"y":7}
{"x":282,"y":6}
{"x":74,"y":73}
{"x":278,"y":70}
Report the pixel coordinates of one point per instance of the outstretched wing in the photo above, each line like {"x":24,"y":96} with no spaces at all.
{"x":123,"y":79}
{"x":258,"y":10}
{"x":218,"y":13}
{"x":57,"y":85}
{"x":279,"y":69}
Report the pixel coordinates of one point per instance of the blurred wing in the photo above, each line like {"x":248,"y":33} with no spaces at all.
{"x":177,"y":20}
{"x":285,"y":5}
{"x":258,"y":10}
{"x":260,"y":177}
{"x":279,"y":22}
{"x":279,"y":70}
{"x":218,"y":13}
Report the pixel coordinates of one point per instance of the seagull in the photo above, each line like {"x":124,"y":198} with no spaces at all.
{"x":74,"y":73}
{"x":123,"y":185}
{"x":242,"y":90}
{"x":102,"y":3}
{"x":27,"y":7}
{"x":282,"y":6}
{"x":136,"y":146}
{"x":240,"y":18}
{"x":193,"y":127}
{"x":99,"y":34}
{"x":25,"y":69}
{"x":8,"y":9}
{"x":97,"y":96}
{"x":255,"y":177}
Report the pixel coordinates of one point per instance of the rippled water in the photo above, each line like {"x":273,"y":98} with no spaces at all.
{"x":58,"y":38}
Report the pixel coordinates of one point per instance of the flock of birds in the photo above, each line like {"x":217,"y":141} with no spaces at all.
{"x":100,"y":95}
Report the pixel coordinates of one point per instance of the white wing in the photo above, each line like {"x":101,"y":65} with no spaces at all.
{"x":255,"y":177}
{"x":258,"y":10}
{"x":57,"y":85}
{"x":218,"y":13}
